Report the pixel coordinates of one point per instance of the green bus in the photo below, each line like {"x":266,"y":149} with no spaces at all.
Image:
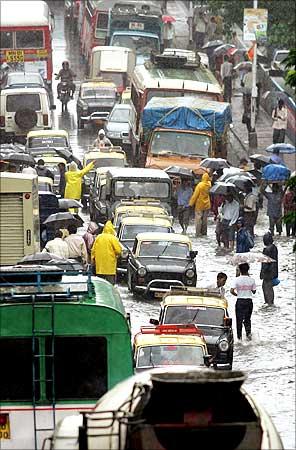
{"x":64,"y":342}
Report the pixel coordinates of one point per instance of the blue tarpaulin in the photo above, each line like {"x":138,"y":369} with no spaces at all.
{"x":186,"y":113}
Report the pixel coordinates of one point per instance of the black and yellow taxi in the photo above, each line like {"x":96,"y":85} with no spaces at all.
{"x":169,"y":345}
{"x":133,"y":207}
{"x":207,"y":309}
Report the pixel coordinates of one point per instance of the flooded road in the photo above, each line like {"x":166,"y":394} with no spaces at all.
{"x":269,"y":359}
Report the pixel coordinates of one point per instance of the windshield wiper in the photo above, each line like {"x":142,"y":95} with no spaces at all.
{"x":151,"y":362}
{"x":165,"y":248}
{"x":193,"y":318}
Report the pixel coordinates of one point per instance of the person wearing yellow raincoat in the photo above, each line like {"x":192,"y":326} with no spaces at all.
{"x":104,"y":253}
{"x":74,"y":180}
{"x":200,"y":199}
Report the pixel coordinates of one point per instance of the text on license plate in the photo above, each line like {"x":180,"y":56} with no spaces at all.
{"x":4,"y":426}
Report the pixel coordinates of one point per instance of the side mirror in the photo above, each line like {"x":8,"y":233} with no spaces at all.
{"x":207,"y":360}
{"x":227,"y":321}
{"x":154,"y":321}
{"x":193,"y":254}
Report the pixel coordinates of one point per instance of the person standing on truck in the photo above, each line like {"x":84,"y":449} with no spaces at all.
{"x":74,"y":180}
{"x":202,"y":203}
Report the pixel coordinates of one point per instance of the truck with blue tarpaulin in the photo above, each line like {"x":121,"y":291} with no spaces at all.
{"x":183,"y":131}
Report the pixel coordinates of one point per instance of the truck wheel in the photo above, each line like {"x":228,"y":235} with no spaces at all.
{"x":25,"y":118}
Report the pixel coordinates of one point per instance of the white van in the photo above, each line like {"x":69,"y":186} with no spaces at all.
{"x":23,"y":110}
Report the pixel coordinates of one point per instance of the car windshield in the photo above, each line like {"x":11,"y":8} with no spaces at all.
{"x":164,"y":248}
{"x":163,"y":355}
{"x":199,"y":315}
{"x":140,"y":44}
{"x":50,"y":141}
{"x":183,"y":144}
{"x":116,"y":78}
{"x":120,"y":115}
{"x":98,"y":93}
{"x":281,"y":56}
{"x":107,"y":162}
{"x":130,"y":231}
{"x":141,"y":188}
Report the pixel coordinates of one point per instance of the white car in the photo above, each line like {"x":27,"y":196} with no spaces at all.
{"x":23,"y":110}
{"x":277,"y":61}
{"x":120,"y":124}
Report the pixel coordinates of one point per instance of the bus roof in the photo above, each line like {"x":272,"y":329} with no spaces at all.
{"x":148,"y":76}
{"x":22,"y":14}
{"x":17,"y":182}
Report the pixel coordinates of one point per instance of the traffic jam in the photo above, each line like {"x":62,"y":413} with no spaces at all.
{"x":145,"y":256}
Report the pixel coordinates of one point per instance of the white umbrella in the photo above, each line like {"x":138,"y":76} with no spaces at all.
{"x":249,"y":257}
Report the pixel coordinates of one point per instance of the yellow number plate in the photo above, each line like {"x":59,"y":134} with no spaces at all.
{"x":4,"y":427}
{"x":14,"y":55}
{"x":42,"y":53}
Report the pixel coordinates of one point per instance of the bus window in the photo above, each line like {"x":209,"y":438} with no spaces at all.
{"x":102,"y":26}
{"x":15,"y":354}
{"x":80,"y":367}
{"x":6,"y":39}
{"x":29,"y":39}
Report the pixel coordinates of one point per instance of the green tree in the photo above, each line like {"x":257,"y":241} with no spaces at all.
{"x":290,"y":62}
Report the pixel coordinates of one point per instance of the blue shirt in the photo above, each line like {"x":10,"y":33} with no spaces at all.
{"x":184,"y":195}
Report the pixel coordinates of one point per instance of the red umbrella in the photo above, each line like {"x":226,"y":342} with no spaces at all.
{"x":167,"y":19}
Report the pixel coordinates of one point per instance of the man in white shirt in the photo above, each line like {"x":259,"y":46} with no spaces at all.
{"x":76,"y":245}
{"x":243,"y":288}
{"x":57,"y":246}
{"x":229,"y":212}
{"x":250,"y":209}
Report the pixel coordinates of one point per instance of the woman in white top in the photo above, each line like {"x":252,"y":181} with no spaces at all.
{"x":279,"y":115}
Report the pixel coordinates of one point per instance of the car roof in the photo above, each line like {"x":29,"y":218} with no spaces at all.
{"x":51,"y":159}
{"x":24,"y":91}
{"x":167,"y":339}
{"x":24,"y":75}
{"x":141,"y":208}
{"x":102,"y":84}
{"x":142,"y":220}
{"x":133,"y":172}
{"x":48,"y":133}
{"x":173,"y":237}
{"x":98,"y":155}
{"x":186,"y":300}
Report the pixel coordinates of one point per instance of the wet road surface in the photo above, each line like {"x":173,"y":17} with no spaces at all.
{"x":269,"y":359}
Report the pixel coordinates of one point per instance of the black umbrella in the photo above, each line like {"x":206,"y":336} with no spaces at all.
{"x":240,"y":181}
{"x":21,"y":158}
{"x":181,"y":172}
{"x":66,"y":203}
{"x":214,"y":163}
{"x":262,"y":159}
{"x":78,"y":220}
{"x":222,"y":188}
{"x":40,"y":257}
{"x":212,"y":44}
{"x":65,"y":264}
{"x":59,"y":217}
{"x":222,"y":49}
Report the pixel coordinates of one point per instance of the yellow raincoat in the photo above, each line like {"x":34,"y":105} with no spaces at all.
{"x":74,"y":180}
{"x":105,"y":251}
{"x":200,"y":198}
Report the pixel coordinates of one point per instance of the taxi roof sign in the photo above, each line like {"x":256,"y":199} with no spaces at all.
{"x":172,"y":329}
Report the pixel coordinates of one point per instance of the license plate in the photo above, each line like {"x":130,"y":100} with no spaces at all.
{"x":136,"y":26}
{"x":4,"y":426}
{"x":125,"y":141}
{"x":14,"y":56}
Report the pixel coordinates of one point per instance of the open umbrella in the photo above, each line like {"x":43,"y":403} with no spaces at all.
{"x":214,"y":163}
{"x":168,"y":19}
{"x":243,"y":65}
{"x":212,"y":44}
{"x":65,"y":264}
{"x":262,"y":159}
{"x":181,"y":172}
{"x":39,"y":258}
{"x":249,"y":257}
{"x":66,"y":203}
{"x":282,"y":148}
{"x":222,"y":188}
{"x":59,"y":217}
{"x":241,"y":181}
{"x":21,"y":158}
{"x":222,"y":49}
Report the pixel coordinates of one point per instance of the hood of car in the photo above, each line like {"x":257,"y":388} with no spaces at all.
{"x":164,"y":264}
{"x":118,"y":127}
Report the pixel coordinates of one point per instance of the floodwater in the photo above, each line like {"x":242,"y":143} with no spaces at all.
{"x":269,"y":359}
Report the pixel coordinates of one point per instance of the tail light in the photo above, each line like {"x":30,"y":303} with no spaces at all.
{"x":2,"y":121}
{"x":45,"y":119}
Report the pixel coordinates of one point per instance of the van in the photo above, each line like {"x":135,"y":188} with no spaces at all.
{"x":23,"y":110}
{"x":19,"y":211}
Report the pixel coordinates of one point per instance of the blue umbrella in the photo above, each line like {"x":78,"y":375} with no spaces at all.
{"x":282,"y":148}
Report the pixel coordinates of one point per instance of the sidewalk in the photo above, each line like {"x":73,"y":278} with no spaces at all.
{"x":240,"y":144}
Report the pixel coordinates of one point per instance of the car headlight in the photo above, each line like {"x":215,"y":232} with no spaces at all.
{"x":85,"y":108}
{"x":223,"y":345}
{"x":142,"y":271}
{"x":190,"y":273}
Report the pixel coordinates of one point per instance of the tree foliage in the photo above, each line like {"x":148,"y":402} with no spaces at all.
{"x":281,"y":18}
{"x":290,"y":62}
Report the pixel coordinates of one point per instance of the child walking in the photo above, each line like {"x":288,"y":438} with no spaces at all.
{"x":243,"y":288}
